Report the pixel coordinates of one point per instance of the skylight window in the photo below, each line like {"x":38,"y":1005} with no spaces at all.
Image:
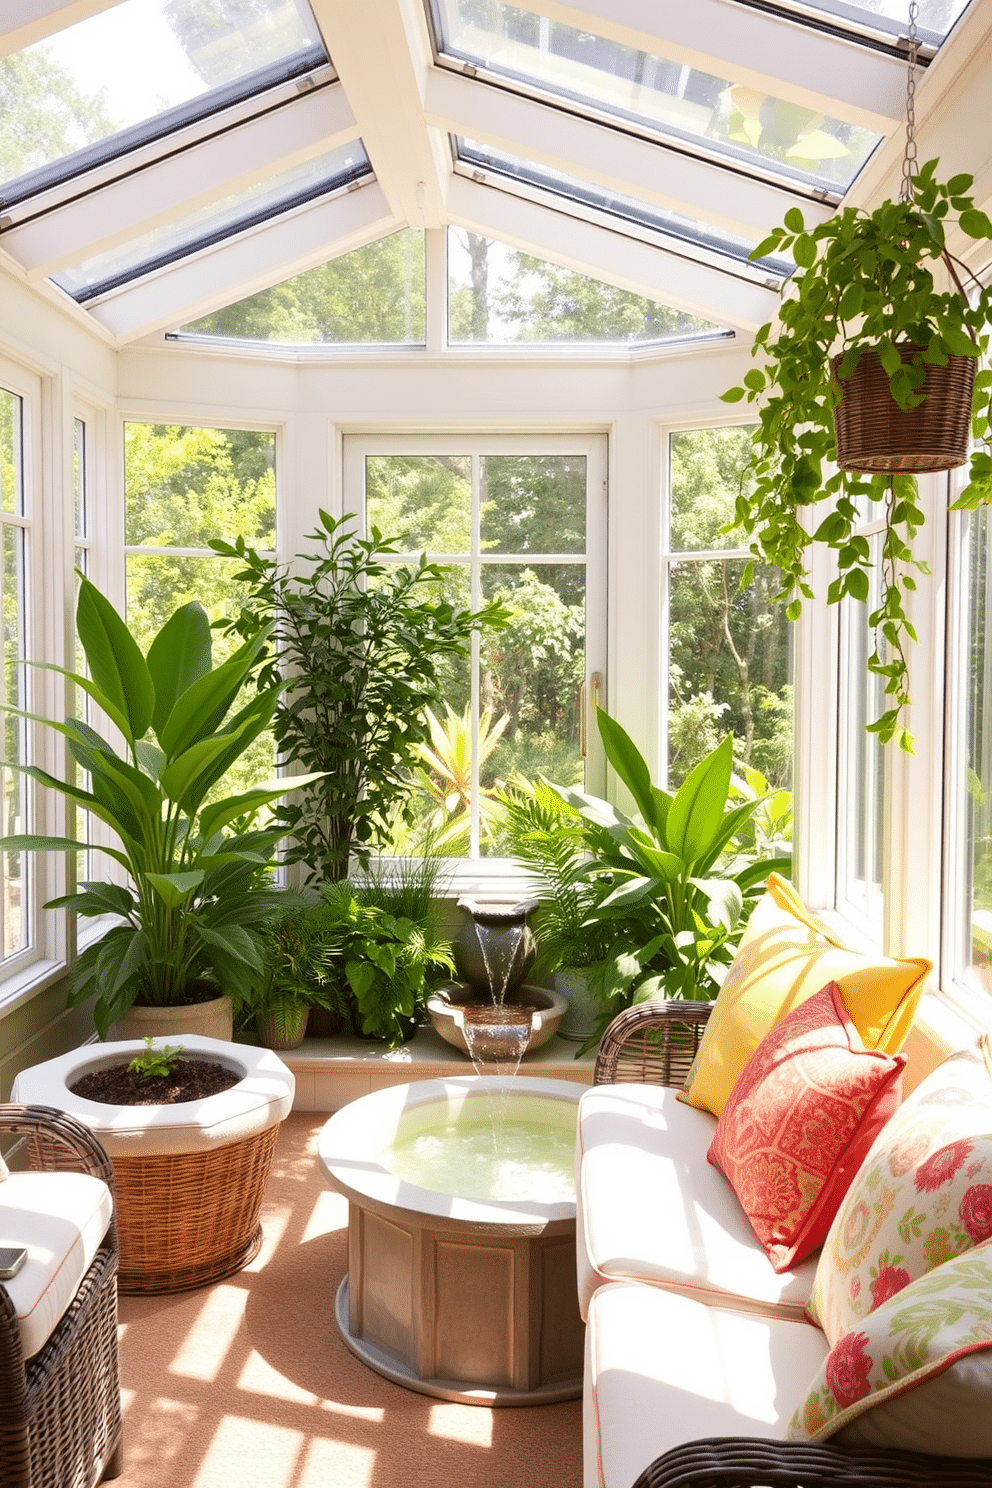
{"x":891,"y":16}
{"x":214,"y":222}
{"x":696,"y":239}
{"x":135,"y":72}
{"x":499,"y":296}
{"x":372,"y":296}
{"x":654,"y":94}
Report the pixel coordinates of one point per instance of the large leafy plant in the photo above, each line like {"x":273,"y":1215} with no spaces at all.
{"x":876,"y":283}
{"x":362,"y":642}
{"x":673,"y":885}
{"x":194,"y":888}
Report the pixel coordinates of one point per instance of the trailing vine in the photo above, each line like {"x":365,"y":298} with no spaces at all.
{"x":864,"y":282}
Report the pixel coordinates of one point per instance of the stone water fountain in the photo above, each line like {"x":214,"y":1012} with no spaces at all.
{"x":490,"y":1013}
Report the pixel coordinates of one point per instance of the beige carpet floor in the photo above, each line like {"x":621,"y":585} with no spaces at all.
{"x":246,"y":1384}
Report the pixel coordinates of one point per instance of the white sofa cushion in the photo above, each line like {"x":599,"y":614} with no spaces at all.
{"x":663,"y":1369}
{"x":650,"y":1208}
{"x":60,"y":1218}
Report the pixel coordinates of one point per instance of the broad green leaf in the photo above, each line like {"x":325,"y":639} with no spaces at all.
{"x":116,"y":665}
{"x":97,"y":899}
{"x":220,"y":814}
{"x":629,"y":763}
{"x":34,"y":842}
{"x":174,"y":888}
{"x":205,"y":703}
{"x":698,"y":809}
{"x":179,"y":655}
{"x":724,"y":900}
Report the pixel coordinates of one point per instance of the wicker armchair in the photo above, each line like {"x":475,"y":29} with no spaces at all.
{"x":652,"y":1043}
{"x":752,"y":1462}
{"x":60,"y":1410}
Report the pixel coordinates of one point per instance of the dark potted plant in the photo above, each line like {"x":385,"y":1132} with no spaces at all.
{"x":362,"y":642}
{"x":198,"y":890}
{"x":876,"y":302}
{"x":298,"y":977}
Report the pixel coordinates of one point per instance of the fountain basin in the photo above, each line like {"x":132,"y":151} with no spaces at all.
{"x":467,"y":1299}
{"x":446,"y":1009}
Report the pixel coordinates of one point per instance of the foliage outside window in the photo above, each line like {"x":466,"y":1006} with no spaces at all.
{"x":183,"y":486}
{"x":729,"y":649}
{"x":969,"y":881}
{"x":375,"y":294}
{"x":510,"y":527}
{"x":498,"y":295}
{"x":861,"y":761}
{"x":14,"y":880}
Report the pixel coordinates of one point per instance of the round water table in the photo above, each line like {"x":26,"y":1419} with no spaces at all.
{"x":468,"y":1299}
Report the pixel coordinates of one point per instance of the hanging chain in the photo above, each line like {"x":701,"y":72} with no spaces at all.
{"x":909,"y":160}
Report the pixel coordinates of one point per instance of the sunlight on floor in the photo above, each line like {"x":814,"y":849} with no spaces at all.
{"x":462,"y":1423}
{"x":205,"y":1347}
{"x":330,"y":1212}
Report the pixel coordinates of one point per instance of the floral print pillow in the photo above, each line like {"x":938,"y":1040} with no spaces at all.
{"x":922,"y":1196}
{"x":912,"y":1341}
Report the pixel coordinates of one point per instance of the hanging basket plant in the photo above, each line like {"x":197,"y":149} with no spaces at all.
{"x":871,"y":374}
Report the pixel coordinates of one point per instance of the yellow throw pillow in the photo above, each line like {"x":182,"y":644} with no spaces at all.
{"x":785,"y":956}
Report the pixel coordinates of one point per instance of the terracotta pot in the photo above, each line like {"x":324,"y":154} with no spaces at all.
{"x":213,"y":1019}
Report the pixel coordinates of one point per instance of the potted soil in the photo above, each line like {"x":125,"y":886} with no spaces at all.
{"x":190,"y":1131}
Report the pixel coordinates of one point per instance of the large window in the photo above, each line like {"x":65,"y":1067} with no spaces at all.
{"x":968,"y":787}
{"x":728,"y":657}
{"x":14,"y":878}
{"x":183,"y":486}
{"x":522,"y":520}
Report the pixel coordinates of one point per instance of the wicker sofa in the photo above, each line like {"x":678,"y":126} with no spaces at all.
{"x":697,"y":1352}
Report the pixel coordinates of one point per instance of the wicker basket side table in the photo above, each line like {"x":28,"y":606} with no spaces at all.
{"x":189,"y":1179}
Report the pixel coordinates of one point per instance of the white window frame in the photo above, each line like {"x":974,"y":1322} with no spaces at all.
{"x":356,"y":447}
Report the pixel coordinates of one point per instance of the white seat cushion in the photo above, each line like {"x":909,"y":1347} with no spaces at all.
{"x":650,"y":1208}
{"x":663,"y":1369}
{"x":60,"y":1218}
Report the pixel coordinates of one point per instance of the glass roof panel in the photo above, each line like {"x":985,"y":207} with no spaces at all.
{"x":217,"y":220}
{"x":657,"y":95}
{"x":373,"y":296}
{"x":641,"y":214}
{"x":519,"y":299}
{"x":138,"y":70}
{"x":935,"y":19}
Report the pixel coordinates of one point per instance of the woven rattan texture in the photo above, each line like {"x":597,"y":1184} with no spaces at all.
{"x":190,"y":1219}
{"x":60,"y":1412}
{"x":652,"y":1043}
{"x":875,"y":435}
{"x":749,"y":1462}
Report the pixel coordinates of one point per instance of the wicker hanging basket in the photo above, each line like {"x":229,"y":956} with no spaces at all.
{"x":874,"y":434}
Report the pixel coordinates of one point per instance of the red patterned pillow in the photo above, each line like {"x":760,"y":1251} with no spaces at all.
{"x":799,"y":1123}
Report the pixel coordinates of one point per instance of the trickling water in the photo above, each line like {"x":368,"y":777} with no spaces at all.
{"x":497,"y":1037}
{"x":490,"y":937}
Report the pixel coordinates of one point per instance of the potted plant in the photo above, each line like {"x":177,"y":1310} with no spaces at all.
{"x":298,"y":977}
{"x":386,"y":964}
{"x":672,"y":885}
{"x":876,"y":302}
{"x":362,"y":642}
{"x":197,"y":888}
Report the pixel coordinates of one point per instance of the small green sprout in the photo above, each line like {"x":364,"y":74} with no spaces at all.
{"x":156,"y":1062}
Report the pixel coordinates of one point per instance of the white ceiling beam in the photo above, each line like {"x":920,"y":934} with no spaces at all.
{"x":183,"y":182}
{"x":621,"y":162}
{"x":254,"y":260}
{"x":382,"y":60}
{"x":23,"y":22}
{"x":587,"y":248}
{"x":780,"y":57}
